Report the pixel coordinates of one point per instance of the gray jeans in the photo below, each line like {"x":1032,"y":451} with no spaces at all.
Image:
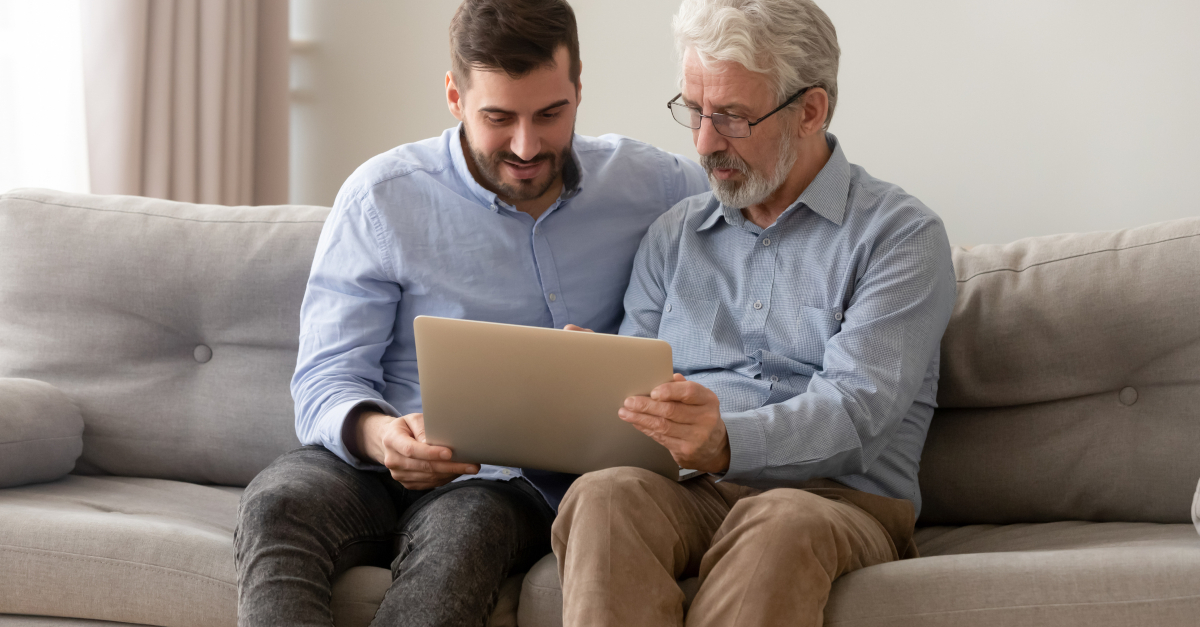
{"x":309,"y":516}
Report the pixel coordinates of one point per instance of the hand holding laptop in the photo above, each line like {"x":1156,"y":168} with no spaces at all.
{"x":684,"y":417}
{"x":399,"y":444}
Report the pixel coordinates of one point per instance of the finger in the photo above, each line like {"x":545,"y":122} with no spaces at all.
{"x":685,"y":392}
{"x":409,"y":447}
{"x":679,"y":377}
{"x":647,"y":423}
{"x":574,"y":327}
{"x":668,"y":410}
{"x":416,"y":423}
{"x":432,"y":467}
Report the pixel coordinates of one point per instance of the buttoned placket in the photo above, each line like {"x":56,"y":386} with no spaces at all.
{"x":547,"y":270}
{"x":760,"y":282}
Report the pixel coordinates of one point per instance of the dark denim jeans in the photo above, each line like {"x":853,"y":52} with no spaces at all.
{"x":309,"y":516}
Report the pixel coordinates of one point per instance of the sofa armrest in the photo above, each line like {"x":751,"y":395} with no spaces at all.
{"x":41,"y":432}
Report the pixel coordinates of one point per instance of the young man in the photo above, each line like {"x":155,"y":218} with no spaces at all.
{"x":510,"y":217}
{"x":805,"y":302}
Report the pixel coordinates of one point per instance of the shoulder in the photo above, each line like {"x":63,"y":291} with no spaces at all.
{"x":408,"y":167}
{"x":617,"y":153}
{"x":883,"y":210}
{"x":685,"y":216}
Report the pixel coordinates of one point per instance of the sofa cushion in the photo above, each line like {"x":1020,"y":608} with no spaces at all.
{"x":174,"y":326}
{"x":1070,"y":378}
{"x":1046,"y":575}
{"x":41,"y":432}
{"x":119,"y":549}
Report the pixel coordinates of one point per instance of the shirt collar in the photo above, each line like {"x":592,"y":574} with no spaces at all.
{"x":826,"y":195}
{"x":573,"y":173}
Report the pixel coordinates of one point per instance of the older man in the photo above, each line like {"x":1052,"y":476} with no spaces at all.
{"x":805,"y":301}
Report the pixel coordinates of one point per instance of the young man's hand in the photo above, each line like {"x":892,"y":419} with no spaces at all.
{"x":399,"y":444}
{"x":685,"y":417}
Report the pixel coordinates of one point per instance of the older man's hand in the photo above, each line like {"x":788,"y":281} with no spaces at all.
{"x":685,"y":417}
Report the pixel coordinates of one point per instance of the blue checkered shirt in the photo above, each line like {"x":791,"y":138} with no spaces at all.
{"x":819,"y":333}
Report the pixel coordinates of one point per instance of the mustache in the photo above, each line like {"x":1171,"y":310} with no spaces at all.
{"x":722,"y":161}
{"x":538,"y":158}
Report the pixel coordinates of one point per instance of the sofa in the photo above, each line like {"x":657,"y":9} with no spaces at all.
{"x":146,"y":348}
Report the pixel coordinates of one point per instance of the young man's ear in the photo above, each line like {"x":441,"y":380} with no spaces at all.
{"x":454,"y":97}
{"x":579,"y":85}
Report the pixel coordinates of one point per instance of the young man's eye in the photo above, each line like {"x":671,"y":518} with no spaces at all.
{"x":495,"y":120}
{"x":550,"y":115}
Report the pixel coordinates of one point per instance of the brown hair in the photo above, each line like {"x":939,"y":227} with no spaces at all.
{"x":514,"y":36}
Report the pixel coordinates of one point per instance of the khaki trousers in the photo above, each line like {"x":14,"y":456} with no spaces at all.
{"x":625,"y":535}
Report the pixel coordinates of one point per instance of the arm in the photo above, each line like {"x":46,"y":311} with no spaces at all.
{"x":873,"y":369}
{"x":346,"y":324}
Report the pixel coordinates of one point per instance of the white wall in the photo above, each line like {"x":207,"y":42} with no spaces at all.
{"x":1012,"y":119}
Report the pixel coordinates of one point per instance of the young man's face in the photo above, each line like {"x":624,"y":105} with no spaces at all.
{"x":518,"y":131}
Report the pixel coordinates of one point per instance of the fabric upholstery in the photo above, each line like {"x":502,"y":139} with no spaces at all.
{"x":1044,"y":575}
{"x":1070,"y":381}
{"x":9,"y":620}
{"x":41,"y":432}
{"x":174,"y":326}
{"x":119,"y":549}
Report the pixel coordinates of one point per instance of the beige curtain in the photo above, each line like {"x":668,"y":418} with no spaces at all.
{"x":188,"y":99}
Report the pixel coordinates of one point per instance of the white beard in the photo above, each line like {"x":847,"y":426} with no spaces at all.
{"x":757,"y":186}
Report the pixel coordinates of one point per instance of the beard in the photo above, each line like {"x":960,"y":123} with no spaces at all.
{"x":523,"y":189}
{"x":755,"y":186}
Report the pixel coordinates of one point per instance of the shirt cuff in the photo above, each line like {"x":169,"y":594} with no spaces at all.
{"x":747,"y":445}
{"x":333,"y":424}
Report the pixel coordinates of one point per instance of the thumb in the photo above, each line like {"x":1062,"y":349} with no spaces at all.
{"x":679,"y":377}
{"x":416,"y":422}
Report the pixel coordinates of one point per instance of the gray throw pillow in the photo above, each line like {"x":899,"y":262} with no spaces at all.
{"x":41,"y":432}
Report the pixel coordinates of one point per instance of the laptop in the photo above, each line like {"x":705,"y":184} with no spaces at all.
{"x":532,"y":397}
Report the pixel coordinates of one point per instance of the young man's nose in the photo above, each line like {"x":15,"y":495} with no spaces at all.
{"x":525,"y":142}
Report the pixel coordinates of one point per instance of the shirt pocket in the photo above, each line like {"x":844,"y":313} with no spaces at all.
{"x":813,"y":329}
{"x":687,"y":325}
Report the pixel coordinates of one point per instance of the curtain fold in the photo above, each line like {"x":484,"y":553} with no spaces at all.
{"x":187,"y":99}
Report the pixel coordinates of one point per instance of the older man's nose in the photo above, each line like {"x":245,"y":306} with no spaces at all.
{"x":707,"y":139}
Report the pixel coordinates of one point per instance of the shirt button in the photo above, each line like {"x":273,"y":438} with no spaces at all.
{"x":668,"y":307}
{"x":774,"y":378}
{"x":837,"y":316}
{"x":553,"y":297}
{"x":505,"y":471}
{"x":767,"y":241}
{"x":535,"y":230}
{"x":758,"y":304}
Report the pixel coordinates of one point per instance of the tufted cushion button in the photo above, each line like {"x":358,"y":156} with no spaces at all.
{"x":1128,"y":396}
{"x":202,"y":354}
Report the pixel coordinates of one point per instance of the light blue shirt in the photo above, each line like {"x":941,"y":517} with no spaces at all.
{"x":820,"y":333}
{"x":412,"y":233}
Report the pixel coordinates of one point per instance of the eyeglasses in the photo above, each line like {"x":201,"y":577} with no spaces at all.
{"x":728,"y":125}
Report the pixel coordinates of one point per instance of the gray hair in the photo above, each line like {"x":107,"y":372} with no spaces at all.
{"x":792,"y":42}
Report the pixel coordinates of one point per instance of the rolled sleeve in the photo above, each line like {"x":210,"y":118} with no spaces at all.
{"x":346,"y":324}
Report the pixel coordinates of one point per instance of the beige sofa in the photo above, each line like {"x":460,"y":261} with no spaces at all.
{"x":1058,"y":476}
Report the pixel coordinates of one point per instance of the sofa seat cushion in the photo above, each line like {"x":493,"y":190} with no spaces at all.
{"x":1062,"y":574}
{"x":145,"y":551}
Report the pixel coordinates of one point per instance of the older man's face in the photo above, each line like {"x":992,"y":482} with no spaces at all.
{"x":743,"y":171}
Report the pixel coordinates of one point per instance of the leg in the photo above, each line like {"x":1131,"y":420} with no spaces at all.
{"x":303,"y":519}
{"x":458,"y":548}
{"x":774,"y":559}
{"x":622,"y":538}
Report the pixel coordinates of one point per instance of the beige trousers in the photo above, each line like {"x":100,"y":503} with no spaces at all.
{"x":625,"y":535}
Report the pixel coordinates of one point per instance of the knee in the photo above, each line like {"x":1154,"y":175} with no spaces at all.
{"x":287,"y":489}
{"x":784,"y":516}
{"x":475,"y":515}
{"x":613,"y":487}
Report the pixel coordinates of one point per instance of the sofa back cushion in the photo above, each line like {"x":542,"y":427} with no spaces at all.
{"x":174,"y":327}
{"x":1070,"y":381}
